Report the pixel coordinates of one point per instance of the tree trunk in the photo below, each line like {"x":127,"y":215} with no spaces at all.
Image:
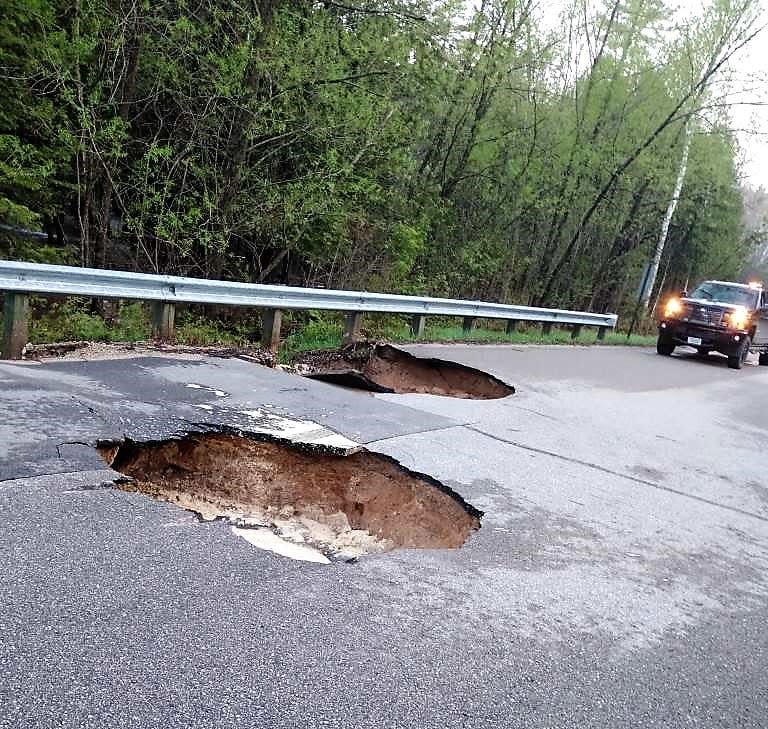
{"x":682,"y":169}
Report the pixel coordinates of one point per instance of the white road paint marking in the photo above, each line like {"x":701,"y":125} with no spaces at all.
{"x":268,"y":540}
{"x":218,"y":393}
{"x":300,"y":431}
{"x":291,"y":429}
{"x":338,"y":441}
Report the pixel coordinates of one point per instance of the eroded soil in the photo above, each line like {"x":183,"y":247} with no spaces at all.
{"x":384,"y":368}
{"x":347,"y":505}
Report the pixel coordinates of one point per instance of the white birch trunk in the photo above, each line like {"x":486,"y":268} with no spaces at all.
{"x":668,"y":216}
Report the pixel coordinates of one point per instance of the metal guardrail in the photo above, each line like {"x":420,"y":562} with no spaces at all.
{"x":20,"y":279}
{"x":18,"y":232}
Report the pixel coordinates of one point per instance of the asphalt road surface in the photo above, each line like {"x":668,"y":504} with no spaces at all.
{"x":619,"y":579}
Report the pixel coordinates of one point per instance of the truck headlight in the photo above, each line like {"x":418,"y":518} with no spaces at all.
{"x":739,"y":318}
{"x":673,"y":308}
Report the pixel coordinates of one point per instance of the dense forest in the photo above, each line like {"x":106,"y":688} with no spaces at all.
{"x":495,"y":152}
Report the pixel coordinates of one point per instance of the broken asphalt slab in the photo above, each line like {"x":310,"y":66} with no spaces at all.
{"x":51,"y":414}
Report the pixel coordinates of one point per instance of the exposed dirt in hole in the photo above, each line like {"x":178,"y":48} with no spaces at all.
{"x":384,"y":368}
{"x":345,"y":505}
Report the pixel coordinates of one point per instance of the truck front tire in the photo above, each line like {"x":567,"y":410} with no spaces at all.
{"x":737,"y":360}
{"x":665,"y":345}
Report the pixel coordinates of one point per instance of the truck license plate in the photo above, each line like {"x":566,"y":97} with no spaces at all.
{"x":695,"y":341}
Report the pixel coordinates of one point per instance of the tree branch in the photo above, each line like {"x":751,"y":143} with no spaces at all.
{"x":374,"y":11}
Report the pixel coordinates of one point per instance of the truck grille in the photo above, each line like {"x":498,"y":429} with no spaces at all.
{"x":706,"y":315}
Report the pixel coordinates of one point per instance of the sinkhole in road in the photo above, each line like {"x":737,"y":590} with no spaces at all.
{"x":344,"y":505}
{"x":383,"y":368}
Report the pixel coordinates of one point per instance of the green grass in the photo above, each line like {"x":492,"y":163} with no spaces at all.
{"x":317,"y":334}
{"x":326,"y":334}
{"x":528,"y":336}
{"x":70,"y":321}
{"x":199,"y":331}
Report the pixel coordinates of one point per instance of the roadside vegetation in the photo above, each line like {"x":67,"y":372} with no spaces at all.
{"x":70,"y":321}
{"x":522,"y":152}
{"x":327,"y":335}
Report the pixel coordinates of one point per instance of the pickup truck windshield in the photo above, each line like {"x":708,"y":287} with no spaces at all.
{"x":725,"y":294}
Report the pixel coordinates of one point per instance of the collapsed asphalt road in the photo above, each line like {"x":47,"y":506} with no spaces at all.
{"x":380,"y":367}
{"x":345,"y":505}
{"x":618,"y":579}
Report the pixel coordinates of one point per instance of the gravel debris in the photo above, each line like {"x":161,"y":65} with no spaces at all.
{"x":84,"y":351}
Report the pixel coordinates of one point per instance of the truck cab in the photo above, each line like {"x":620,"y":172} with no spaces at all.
{"x":717,"y":316}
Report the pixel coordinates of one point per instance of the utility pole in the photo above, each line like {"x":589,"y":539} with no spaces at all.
{"x":681,"y":170}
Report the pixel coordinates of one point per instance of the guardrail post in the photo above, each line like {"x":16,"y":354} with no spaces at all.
{"x":418,"y":324}
{"x":511,"y":326}
{"x":576,"y":331}
{"x":15,"y":333}
{"x":546,"y":328}
{"x":270,"y":328}
{"x":163,"y":321}
{"x":352,"y":323}
{"x":469,"y":324}
{"x":601,"y":333}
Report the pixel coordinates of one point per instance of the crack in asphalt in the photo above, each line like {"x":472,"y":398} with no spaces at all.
{"x":78,"y":472}
{"x":536,"y":412}
{"x":626,"y":476}
{"x":71,"y":442}
{"x":419,"y":432}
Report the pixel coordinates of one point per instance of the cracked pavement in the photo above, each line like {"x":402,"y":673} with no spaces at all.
{"x":619,"y":578}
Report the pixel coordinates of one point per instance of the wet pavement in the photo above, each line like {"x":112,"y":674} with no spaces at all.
{"x":619,"y":578}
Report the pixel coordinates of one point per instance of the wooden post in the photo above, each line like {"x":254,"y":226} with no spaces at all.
{"x":15,"y":333}
{"x":469,"y":324}
{"x":352,"y":322}
{"x":418,"y":324}
{"x":546,"y":328}
{"x":511,"y":326}
{"x":270,"y":329}
{"x":576,"y":331}
{"x":601,"y":333}
{"x":163,"y":321}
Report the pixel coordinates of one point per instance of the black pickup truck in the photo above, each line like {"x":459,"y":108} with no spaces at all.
{"x":719,"y":316}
